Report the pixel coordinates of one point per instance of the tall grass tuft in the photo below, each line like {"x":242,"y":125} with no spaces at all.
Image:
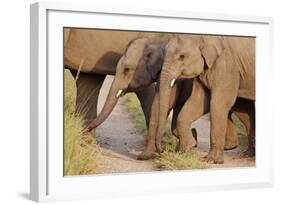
{"x":81,"y":154}
{"x":169,"y":159}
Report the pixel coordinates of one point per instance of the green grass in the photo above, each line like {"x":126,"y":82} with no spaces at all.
{"x":169,"y":159}
{"x":134,"y":107}
{"x":81,"y":154}
{"x":241,"y":130}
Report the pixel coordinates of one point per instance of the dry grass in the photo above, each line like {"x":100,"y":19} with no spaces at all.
{"x":169,"y":159}
{"x":81,"y":154}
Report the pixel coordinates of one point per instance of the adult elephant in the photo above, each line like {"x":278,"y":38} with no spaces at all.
{"x":223,"y":65}
{"x":91,"y":55}
{"x":138,"y":68}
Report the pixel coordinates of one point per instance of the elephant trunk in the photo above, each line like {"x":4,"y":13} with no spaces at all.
{"x":167,"y":81}
{"x":111,"y":100}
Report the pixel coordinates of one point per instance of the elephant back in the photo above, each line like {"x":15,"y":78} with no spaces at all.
{"x":96,"y":48}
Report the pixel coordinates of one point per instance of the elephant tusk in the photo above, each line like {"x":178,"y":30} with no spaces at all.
{"x":119,"y":93}
{"x":172,"y":83}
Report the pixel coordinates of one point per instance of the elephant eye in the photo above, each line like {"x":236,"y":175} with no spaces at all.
{"x":126,"y":70}
{"x":148,"y":55}
{"x":181,"y":57}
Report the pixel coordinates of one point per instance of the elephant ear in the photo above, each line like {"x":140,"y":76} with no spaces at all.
{"x":155,"y":60}
{"x":210,"y":54}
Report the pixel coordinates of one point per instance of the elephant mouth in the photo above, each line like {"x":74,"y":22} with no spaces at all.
{"x":182,"y":77}
{"x":136,"y":89}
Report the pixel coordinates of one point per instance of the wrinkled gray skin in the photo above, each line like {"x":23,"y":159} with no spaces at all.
{"x":225,"y":66}
{"x":137,"y":69}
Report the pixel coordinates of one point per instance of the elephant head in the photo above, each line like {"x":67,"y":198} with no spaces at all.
{"x":137,"y":69}
{"x":185,"y":57}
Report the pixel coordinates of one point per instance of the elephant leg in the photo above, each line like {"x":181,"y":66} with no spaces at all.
{"x":245,"y":111}
{"x":231,"y":140}
{"x":247,"y":121}
{"x":196,"y":106}
{"x":146,"y":97}
{"x":88,"y":88}
{"x":176,"y":111}
{"x":177,"y":106}
{"x":251,"y":151}
{"x":219,"y":109}
{"x":184,"y":90}
{"x":251,"y":137}
{"x":231,"y":136}
{"x":150,"y":149}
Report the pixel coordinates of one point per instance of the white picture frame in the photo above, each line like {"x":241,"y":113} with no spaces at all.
{"x":46,"y":49}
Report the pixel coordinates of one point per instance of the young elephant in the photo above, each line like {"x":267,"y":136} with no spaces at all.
{"x":137,"y":69}
{"x":223,"y":65}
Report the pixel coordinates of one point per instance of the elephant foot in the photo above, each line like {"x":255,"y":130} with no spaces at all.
{"x":248,"y":153}
{"x":214,"y":157}
{"x":183,"y":149}
{"x":231,"y":142}
{"x":186,"y":146}
{"x":230,"y":146}
{"x":146,"y":155}
{"x":187,"y":143}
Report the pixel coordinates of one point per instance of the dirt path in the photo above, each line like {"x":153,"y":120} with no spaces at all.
{"x":121,"y":145}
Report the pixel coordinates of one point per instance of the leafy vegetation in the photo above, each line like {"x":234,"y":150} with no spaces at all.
{"x":81,"y":154}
